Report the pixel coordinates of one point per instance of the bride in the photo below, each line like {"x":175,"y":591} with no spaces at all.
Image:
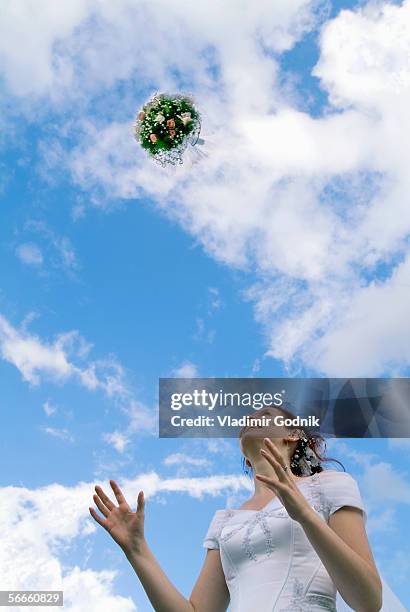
{"x":292,"y":547}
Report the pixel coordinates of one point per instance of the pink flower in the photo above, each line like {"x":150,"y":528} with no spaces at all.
{"x":153,"y":138}
{"x":172,"y":133}
{"x":171,"y":123}
{"x":141,"y":115}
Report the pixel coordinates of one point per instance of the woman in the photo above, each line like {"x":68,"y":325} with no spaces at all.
{"x":297,"y":540}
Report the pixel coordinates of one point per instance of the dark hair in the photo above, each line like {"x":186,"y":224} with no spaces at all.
{"x":311,"y":439}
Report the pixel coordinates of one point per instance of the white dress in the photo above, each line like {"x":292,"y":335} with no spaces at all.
{"x":268,"y":561}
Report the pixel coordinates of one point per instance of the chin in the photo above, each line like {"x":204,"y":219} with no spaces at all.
{"x":252,"y":440}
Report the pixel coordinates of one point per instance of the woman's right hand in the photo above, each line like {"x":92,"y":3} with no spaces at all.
{"x":127,"y":529}
{"x":124,"y":526}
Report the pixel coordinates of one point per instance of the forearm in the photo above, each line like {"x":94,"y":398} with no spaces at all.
{"x":353,"y":577}
{"x":162,"y":594}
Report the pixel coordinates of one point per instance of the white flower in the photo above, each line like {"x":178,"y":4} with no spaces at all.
{"x":304,"y":467}
{"x":160,"y":118}
{"x":185,"y":118}
{"x":311,"y":457}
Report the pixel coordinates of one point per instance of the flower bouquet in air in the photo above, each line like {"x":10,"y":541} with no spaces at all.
{"x":166,"y":125}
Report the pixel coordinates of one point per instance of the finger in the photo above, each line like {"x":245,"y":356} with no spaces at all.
{"x":269,"y":444}
{"x":104,"y":498}
{"x":141,"y":502}
{"x":103,"y":509}
{"x":280,"y":472}
{"x":97,"y":518}
{"x":275,"y":484}
{"x":118,"y":493}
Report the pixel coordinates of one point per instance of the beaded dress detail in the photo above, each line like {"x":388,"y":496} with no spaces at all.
{"x":268,"y":561}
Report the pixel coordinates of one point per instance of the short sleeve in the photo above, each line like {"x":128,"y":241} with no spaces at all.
{"x":341,"y":489}
{"x":211,"y":539}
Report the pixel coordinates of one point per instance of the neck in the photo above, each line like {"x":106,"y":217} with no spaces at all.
{"x":261,"y":466}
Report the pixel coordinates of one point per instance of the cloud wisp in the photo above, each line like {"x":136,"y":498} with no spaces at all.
{"x":66,"y":359}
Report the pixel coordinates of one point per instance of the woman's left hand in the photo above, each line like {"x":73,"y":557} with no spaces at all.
{"x":284,"y":485}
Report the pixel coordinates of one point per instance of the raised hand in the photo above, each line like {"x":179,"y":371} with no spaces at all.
{"x":124,"y":526}
{"x":283,"y":484}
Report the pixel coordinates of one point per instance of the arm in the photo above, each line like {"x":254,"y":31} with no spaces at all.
{"x":342,"y":545}
{"x":126,"y":527}
{"x":344,"y":550}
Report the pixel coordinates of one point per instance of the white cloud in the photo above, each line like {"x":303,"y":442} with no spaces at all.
{"x":179,"y":459}
{"x":398,"y":567}
{"x":118,"y":440}
{"x":61,"y":434}
{"x":186,"y":370}
{"x":63,"y":360}
{"x":365,"y":59}
{"x":382,"y":485}
{"x":384,"y":522}
{"x":65,"y":256}
{"x":216,"y":301}
{"x":141,"y":417}
{"x":39,"y":525}
{"x":400,"y":443}
{"x":382,"y":482}
{"x":202,"y":333}
{"x":35,"y":359}
{"x":214,"y":486}
{"x":321,"y":203}
{"x":313,"y":207}
{"x":30,"y":56}
{"x":32,"y":356}
{"x":49,"y":409}
{"x":30,"y":254}
{"x":361,"y":337}
{"x":48,"y":52}
{"x":93,"y":591}
{"x":221,"y":446}
{"x":383,"y":488}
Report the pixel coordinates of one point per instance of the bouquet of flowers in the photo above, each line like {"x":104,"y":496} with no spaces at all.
{"x":166,"y":125}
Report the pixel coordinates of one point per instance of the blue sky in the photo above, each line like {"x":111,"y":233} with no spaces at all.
{"x":281,"y":253}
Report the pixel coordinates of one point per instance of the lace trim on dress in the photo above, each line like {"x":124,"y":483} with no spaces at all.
{"x":318,"y":501}
{"x":259,"y":518}
{"x":304,"y":603}
{"x":221,"y":521}
{"x":315,"y":498}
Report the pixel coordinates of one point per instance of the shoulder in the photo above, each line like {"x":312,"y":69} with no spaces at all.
{"x":336,"y":476}
{"x":340,"y":489}
{"x":217,"y":523}
{"x":337,"y":480}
